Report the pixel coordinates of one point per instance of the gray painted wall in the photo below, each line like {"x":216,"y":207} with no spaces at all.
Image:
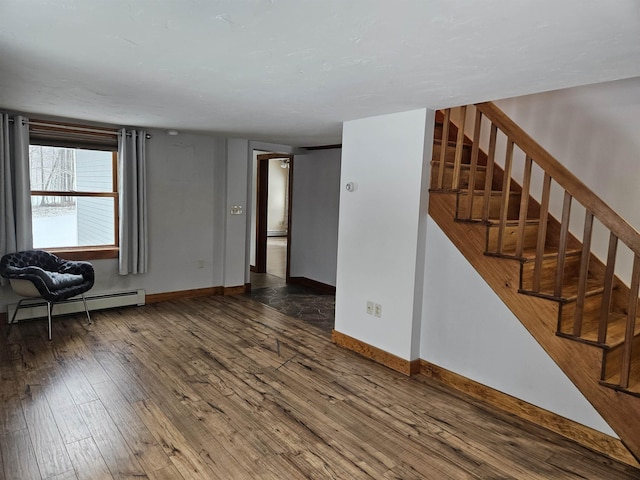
{"x":187,"y":185}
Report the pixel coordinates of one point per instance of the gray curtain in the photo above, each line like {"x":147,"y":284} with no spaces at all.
{"x":15,"y":188}
{"x":132,"y":189}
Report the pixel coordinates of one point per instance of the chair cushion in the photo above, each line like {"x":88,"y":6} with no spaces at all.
{"x":53,"y":280}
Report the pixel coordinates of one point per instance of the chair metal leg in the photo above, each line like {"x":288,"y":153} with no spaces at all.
{"x":13,"y":317}
{"x":86,"y":309}
{"x":49,"y":308}
{"x":49,"y":313}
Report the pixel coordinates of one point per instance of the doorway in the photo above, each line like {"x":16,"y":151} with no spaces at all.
{"x":274,"y":174}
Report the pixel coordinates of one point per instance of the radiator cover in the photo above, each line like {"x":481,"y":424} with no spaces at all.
{"x":99,"y":301}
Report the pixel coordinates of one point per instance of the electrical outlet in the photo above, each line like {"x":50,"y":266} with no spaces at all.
{"x":377,"y":310}
{"x":369,"y":307}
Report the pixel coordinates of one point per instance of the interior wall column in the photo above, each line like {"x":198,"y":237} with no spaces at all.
{"x":382,"y":231}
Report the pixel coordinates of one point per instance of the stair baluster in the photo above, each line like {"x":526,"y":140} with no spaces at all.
{"x":490,"y":168}
{"x":562,"y":245}
{"x":443,"y":147}
{"x":609,"y":274}
{"x":542,"y":232}
{"x":459,"y":148}
{"x":524,"y":206}
{"x":505,"y":195}
{"x":584,"y":271}
{"x":474,"y":162}
{"x":631,"y":323}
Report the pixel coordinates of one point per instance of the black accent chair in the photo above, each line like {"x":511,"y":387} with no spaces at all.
{"x":40,"y":274}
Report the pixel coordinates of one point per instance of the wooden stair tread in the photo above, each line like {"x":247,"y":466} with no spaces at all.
{"x":493,"y":222}
{"x":633,"y":389}
{"x":452,"y":143}
{"x":615,"y":331}
{"x":464,"y":166}
{"x":634,"y":380}
{"x":480,"y":193}
{"x":569,"y":290}
{"x":529,"y":254}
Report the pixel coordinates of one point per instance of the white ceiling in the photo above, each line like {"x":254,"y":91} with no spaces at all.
{"x":291,"y":71}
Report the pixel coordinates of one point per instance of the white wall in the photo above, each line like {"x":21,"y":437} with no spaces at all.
{"x":475,"y":335}
{"x":379,"y":226}
{"x":314,"y":215}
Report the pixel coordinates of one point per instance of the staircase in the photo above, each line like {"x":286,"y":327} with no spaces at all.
{"x":582,"y":310}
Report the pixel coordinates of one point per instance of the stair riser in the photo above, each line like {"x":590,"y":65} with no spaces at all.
{"x":450,"y":155}
{"x":548,"y":273}
{"x":612,"y":361}
{"x":590,"y":314}
{"x":510,"y":238}
{"x":494,"y":206}
{"x":437,"y":133}
{"x":464,"y":177}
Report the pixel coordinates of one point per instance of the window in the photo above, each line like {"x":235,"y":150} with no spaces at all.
{"x":74,"y":198}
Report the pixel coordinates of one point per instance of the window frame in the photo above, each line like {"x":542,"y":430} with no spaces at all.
{"x":89,"y":252}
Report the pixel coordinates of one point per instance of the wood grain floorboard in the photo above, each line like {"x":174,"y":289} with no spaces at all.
{"x":87,"y":460}
{"x":11,"y":414}
{"x":228,"y":388}
{"x":65,"y":413}
{"x":45,"y":437}
{"x":132,"y":428}
{"x":69,"y":475}
{"x":18,"y":459}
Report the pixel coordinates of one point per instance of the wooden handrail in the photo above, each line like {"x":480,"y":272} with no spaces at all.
{"x":561,"y":175}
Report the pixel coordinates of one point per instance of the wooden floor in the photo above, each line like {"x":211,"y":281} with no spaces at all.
{"x":225,"y":387}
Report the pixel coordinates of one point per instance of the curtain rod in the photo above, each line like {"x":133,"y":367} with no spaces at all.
{"x":78,"y":129}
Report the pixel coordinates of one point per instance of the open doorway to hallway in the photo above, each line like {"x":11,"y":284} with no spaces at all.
{"x":315,"y":205}
{"x":271,"y":224}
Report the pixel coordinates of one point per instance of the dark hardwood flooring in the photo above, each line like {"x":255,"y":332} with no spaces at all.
{"x":225,"y":387}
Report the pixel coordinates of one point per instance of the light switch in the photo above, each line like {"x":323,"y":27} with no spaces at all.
{"x":236,"y":210}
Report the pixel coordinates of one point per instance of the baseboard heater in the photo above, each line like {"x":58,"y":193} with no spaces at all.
{"x":99,"y":301}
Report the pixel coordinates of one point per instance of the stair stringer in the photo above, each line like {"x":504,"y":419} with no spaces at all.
{"x":581,"y":363}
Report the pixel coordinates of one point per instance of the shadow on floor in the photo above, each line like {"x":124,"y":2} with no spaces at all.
{"x":297,"y":301}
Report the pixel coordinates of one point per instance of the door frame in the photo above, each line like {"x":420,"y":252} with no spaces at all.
{"x":261,"y":204}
